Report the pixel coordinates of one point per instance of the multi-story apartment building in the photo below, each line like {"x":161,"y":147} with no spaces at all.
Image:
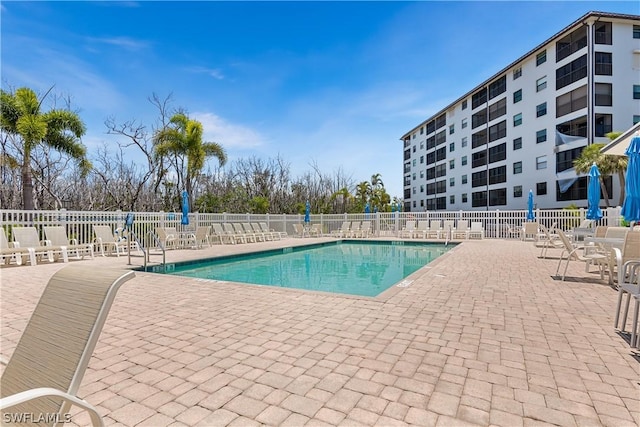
{"x":522,"y":128}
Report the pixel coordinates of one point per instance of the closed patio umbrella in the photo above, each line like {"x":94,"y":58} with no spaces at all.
{"x":307,"y":212}
{"x":185,"y":208}
{"x":631,"y":205}
{"x":530,"y":215}
{"x":593,"y":194}
{"x":367,"y":210}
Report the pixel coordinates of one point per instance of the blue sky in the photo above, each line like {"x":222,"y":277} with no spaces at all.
{"x":330,"y":83}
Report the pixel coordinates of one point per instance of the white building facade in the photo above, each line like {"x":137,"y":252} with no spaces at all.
{"x":522,"y":128}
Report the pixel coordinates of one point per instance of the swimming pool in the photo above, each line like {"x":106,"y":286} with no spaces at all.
{"x":346,"y":267}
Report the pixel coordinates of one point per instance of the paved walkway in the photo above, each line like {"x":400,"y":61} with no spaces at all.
{"x":483,"y":336}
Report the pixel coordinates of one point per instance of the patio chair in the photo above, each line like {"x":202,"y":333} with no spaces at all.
{"x":249,"y":231}
{"x":549,"y":241}
{"x":275,"y":235}
{"x":476,"y":230}
{"x":462,"y":229}
{"x":343,"y":230}
{"x":222,"y":235}
{"x":355,"y":229}
{"x":315,"y":230}
{"x":197,"y":238}
{"x":230,"y":230}
{"x":447,"y":229}
{"x":365,"y":229}
{"x":46,"y":368}
{"x":530,"y":231}
{"x":168,"y":236}
{"x":57,"y":235}
{"x":27,"y":237}
{"x":585,"y":229}
{"x":9,"y":251}
{"x":421,"y":229}
{"x":512,"y":231}
{"x":258,"y":231}
{"x":573,"y":254}
{"x":300,"y":230}
{"x":408,"y":229}
{"x":434,"y":229}
{"x":248,"y":237}
{"x":629,"y":284}
{"x":107,"y":241}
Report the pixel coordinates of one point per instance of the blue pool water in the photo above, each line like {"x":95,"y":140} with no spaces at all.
{"x":356,"y":268}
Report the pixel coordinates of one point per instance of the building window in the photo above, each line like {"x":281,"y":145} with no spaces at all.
{"x":604,"y":93}
{"x":541,"y":162}
{"x":603,"y":64}
{"x":541,"y":83}
{"x":498,"y":175}
{"x":636,"y":91}
{"x":422,"y":188}
{"x":517,"y":191}
{"x":479,"y":98}
{"x":464,"y":179}
{"x":636,"y":31}
{"x":517,"y":143}
{"x":517,"y":96}
{"x":517,"y":168}
{"x":464,"y":104}
{"x":414,"y":191}
{"x":451,"y":129}
{"x":517,"y":120}
{"x":541,"y":136}
{"x":498,"y":87}
{"x":452,"y":182}
{"x":573,"y":101}
{"x":541,"y":188}
{"x":464,"y":123}
{"x":498,"y":197}
{"x":464,"y":160}
{"x":413,"y":136}
{"x":452,"y":164}
{"x":517,"y":73}
{"x":571,"y":43}
{"x":464,"y":197}
{"x":414,"y":203}
{"x":464,"y":142}
{"x":572,"y":72}
{"x":421,"y":159}
{"x":414,"y":176}
{"x":541,"y":58}
{"x":422,"y":145}
{"x":498,"y":153}
{"x":452,"y":199}
{"x":541,"y":109}
{"x":452,"y":146}
{"x":421,"y":174}
{"x":602,"y":32}
{"x":636,"y":119}
{"x":414,"y":162}
{"x":603,"y":124}
{"x":414,"y":148}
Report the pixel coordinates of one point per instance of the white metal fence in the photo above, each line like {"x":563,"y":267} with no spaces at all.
{"x":495,"y":223}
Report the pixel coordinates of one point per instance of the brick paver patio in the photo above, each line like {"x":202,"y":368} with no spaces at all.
{"x":483,"y":336}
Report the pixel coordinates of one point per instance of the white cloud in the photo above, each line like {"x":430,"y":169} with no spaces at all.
{"x":227,"y":134}
{"x":123,"y":42}
{"x":216,"y":73}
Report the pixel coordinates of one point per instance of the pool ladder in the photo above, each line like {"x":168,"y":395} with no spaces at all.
{"x":146,"y":253}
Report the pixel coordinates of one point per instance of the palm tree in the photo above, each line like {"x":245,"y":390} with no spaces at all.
{"x":376,"y":181}
{"x":183,"y":139}
{"x":59,"y":129}
{"x":363,"y":191}
{"x":590,"y":155}
{"x":617,"y":165}
{"x":344,"y":196}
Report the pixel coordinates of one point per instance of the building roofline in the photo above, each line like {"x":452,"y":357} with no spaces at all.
{"x":582,"y":19}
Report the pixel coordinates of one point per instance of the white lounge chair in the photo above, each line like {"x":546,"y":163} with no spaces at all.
{"x":274,"y":234}
{"x":46,"y":368}
{"x":343,"y":231}
{"x":223,"y":235}
{"x":476,"y":230}
{"x":230,"y":230}
{"x":300,"y":230}
{"x":447,"y":229}
{"x":198,"y":238}
{"x":421,"y":229}
{"x":408,"y":230}
{"x":573,"y":253}
{"x":365,"y":229}
{"x":240,"y":231}
{"x":355,"y":229}
{"x":107,"y":242}
{"x":258,"y":232}
{"x":27,"y":237}
{"x":434,"y":229}
{"x":8,"y":251}
{"x":57,"y":235}
{"x":315,"y":230}
{"x":462,"y":230}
